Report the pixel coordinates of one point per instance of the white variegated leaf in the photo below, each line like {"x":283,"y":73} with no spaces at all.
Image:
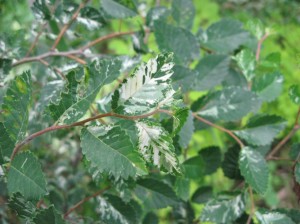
{"x":148,"y":88}
{"x":155,"y":145}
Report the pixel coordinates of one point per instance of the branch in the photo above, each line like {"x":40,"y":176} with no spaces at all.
{"x":259,"y":45}
{"x":85,"y":200}
{"x":67,"y":25}
{"x":220,"y":128}
{"x":79,"y":123}
{"x":295,"y":128}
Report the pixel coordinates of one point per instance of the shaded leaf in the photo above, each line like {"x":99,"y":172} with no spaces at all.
{"x":150,"y":218}
{"x":155,"y":194}
{"x":119,"y":9}
{"x":294,"y":93}
{"x":224,"y":209}
{"x":180,"y":119}
{"x":268,"y":86}
{"x":155,"y":145}
{"x":202,"y":194}
{"x":25,"y":176}
{"x":211,"y":71}
{"x":110,"y":150}
{"x":183,"y":78}
{"x":224,"y":36}
{"x":183,"y":213}
{"x":230,"y":164}
{"x":255,"y":169}
{"x":294,"y":152}
{"x":261,"y":129}
{"x":297,"y":172}
{"x":183,"y":12}
{"x":15,"y":106}
{"x":6,"y":145}
{"x":193,"y":168}
{"x":23,"y":207}
{"x":48,"y":216}
{"x":186,"y":132}
{"x":211,"y":157}
{"x":178,"y":40}
{"x":182,"y":188}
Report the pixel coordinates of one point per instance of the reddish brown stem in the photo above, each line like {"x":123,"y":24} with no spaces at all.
{"x":220,"y":128}
{"x":259,"y":46}
{"x":66,"y":26}
{"x":85,"y":200}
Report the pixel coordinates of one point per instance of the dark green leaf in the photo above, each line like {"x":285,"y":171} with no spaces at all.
{"x":25,"y":176}
{"x":202,"y":195}
{"x":247,"y":62}
{"x":182,"y":188}
{"x":119,"y":9}
{"x":224,"y":36}
{"x":178,"y":40}
{"x":6,"y":145}
{"x":230,"y":104}
{"x":294,"y":152}
{"x":265,"y":217}
{"x":230,"y":163}
{"x":15,"y":106}
{"x":193,"y":168}
{"x":183,"y":213}
{"x":224,"y":209}
{"x":150,"y":218}
{"x":5,"y":66}
{"x":261,"y":129}
{"x":255,"y":169}
{"x":48,"y":216}
{"x":110,"y":150}
{"x":268,"y":86}
{"x":180,"y":119}
{"x":91,"y":18}
{"x":183,"y":12}
{"x":294,"y":214}
{"x":211,"y":71}
{"x":235,"y":79}
{"x":23,"y":207}
{"x":138,"y":42}
{"x":114,"y":211}
{"x":211,"y":157}
{"x":155,"y":194}
{"x":294,"y":94}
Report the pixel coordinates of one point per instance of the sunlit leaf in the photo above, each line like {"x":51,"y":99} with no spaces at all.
{"x":247,"y":62}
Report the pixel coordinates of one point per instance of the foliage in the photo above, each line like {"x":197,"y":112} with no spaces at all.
{"x":103,"y":105}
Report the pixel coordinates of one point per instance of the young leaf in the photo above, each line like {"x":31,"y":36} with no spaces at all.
{"x":261,"y":129}
{"x":265,"y":217}
{"x":183,"y":12}
{"x":80,"y":93}
{"x":230,"y":104}
{"x":15,"y":106}
{"x":224,"y":209}
{"x":155,"y":194}
{"x":255,"y":169}
{"x":211,"y":71}
{"x":224,"y":36}
{"x":178,"y":40}
{"x":268,"y":86}
{"x":119,"y":9}
{"x":48,"y":216}
{"x":115,"y":211}
{"x":155,"y":145}
{"x":26,"y":176}
{"x":110,"y":150}
{"x":147,"y":88}
{"x":294,"y":93}
{"x":246,"y":61}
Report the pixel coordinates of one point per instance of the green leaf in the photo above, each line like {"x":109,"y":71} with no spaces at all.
{"x":256,"y":27}
{"x":294,"y":152}
{"x":115,"y":211}
{"x":156,"y":146}
{"x":230,"y":165}
{"x":247,"y":62}
{"x":202,"y":194}
{"x":268,"y":86}
{"x":110,"y":150}
{"x":183,"y":213}
{"x":212,"y":159}
{"x":266,"y":217}
{"x":178,"y":40}
{"x":6,"y":145}
{"x":193,"y":168}
{"x":294,"y":93}
{"x":180,"y":119}
{"x":230,"y":104}
{"x":15,"y":106}
{"x":155,"y":194}
{"x":224,"y":36}
{"x":147,"y":89}
{"x":183,"y":78}
{"x":158,"y":13}
{"x":261,"y":129}
{"x":119,"y":9}
{"x":211,"y":71}
{"x":183,"y":12}
{"x":224,"y":209}
{"x":294,"y":214}
{"x":82,"y":88}
{"x":5,"y":66}
{"x":187,"y":131}
{"x":150,"y":218}
{"x":297,"y":172}
{"x":23,"y":207}
{"x":255,"y":169}
{"x":48,"y":216}
{"x":182,"y":188}
{"x":26,"y":176}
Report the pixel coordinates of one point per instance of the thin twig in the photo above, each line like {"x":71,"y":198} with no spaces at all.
{"x":85,"y":200}
{"x":295,"y":128}
{"x":252,"y":206}
{"x":259,"y":45}
{"x":68,"y":24}
{"x":79,"y":60}
{"x":220,"y":128}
